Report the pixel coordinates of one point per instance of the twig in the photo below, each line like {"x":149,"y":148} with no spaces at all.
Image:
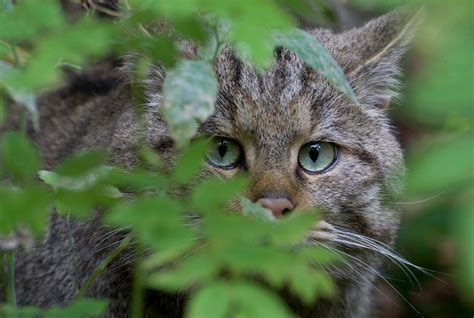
{"x":103,"y":265}
{"x":11,"y":293}
{"x":138,"y":287}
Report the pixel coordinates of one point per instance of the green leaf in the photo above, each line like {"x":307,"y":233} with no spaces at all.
{"x":293,"y":229}
{"x":18,"y":155}
{"x":252,"y":24}
{"x":80,"y":308}
{"x":190,"y":161}
{"x":317,"y":57}
{"x":308,"y":284}
{"x":237,"y":299}
{"x":137,"y":180}
{"x":210,"y":195}
{"x":19,"y":95}
{"x":158,"y":222}
{"x":80,"y":203}
{"x":211,"y":301}
{"x":49,"y":177}
{"x":256,"y":210}
{"x":69,"y":46}
{"x":29,"y":18}
{"x":28,"y":206}
{"x":8,"y":310}
{"x":189,"y":94}
{"x":81,"y":163}
{"x":196,"y":269}
{"x":233,"y":227}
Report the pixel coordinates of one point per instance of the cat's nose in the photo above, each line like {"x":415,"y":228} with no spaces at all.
{"x":278,"y":206}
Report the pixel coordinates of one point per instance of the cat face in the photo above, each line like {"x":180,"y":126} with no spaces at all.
{"x":303,"y":143}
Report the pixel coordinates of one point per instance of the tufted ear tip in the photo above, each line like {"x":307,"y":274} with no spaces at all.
{"x":378,"y":48}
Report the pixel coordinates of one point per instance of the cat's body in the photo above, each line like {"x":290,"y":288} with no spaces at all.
{"x":271,"y":115}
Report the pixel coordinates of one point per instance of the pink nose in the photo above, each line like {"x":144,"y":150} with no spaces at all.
{"x":278,"y":206}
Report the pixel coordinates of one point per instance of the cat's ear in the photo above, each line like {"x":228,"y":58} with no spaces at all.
{"x":373,"y":53}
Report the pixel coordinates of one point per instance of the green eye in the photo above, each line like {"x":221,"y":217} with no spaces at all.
{"x":224,"y":153}
{"x":317,"y":157}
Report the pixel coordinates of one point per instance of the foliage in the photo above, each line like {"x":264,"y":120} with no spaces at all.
{"x":39,"y":42}
{"x":217,"y":255}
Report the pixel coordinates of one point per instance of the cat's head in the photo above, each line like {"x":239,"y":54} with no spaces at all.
{"x":304,"y":144}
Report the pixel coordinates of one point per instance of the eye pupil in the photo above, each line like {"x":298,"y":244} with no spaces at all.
{"x":222,"y":149}
{"x":314,"y":152}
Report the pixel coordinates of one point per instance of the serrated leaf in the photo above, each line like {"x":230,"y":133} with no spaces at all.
{"x":211,"y":301}
{"x":308,"y":284}
{"x":254,"y":301}
{"x":210,"y":195}
{"x":196,"y":269}
{"x":252,"y":23}
{"x":190,"y":161}
{"x":137,"y":180}
{"x":239,"y":299}
{"x":231,"y":227}
{"x":293,"y":229}
{"x":81,"y":163}
{"x":317,"y":57}
{"x":158,"y":221}
{"x":18,"y":155}
{"x":189,"y":94}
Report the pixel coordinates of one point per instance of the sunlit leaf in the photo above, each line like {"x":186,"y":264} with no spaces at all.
{"x":189,"y":93}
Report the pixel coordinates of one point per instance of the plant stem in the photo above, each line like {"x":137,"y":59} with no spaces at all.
{"x":2,"y":272}
{"x":138,"y":287}
{"x":11,"y":294}
{"x":103,"y":265}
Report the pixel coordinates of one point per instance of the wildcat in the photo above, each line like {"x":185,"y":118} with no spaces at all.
{"x":303,"y":144}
